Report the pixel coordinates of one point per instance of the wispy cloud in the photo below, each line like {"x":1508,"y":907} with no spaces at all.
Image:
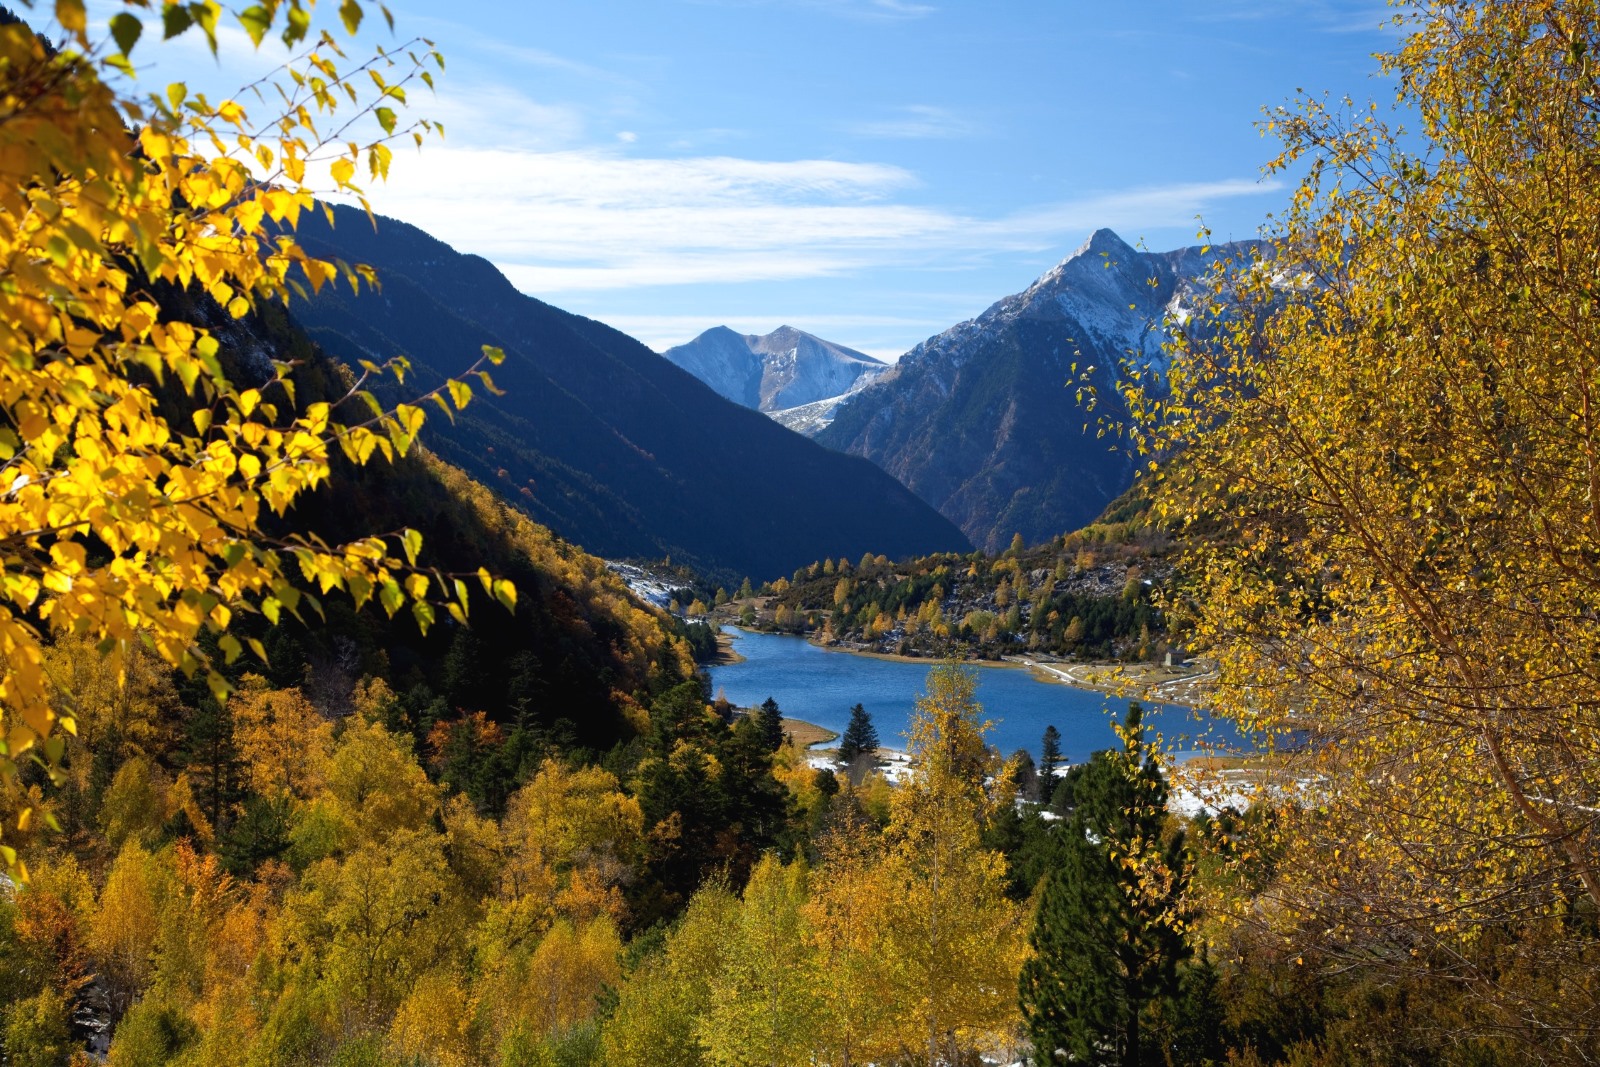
{"x":661,"y":332}
{"x":916,"y":122}
{"x":589,"y":220}
{"x":1329,"y":16}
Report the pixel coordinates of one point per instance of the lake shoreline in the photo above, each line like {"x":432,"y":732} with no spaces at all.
{"x":820,"y":689}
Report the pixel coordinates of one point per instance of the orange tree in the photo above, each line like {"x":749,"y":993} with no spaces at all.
{"x":120,"y":522}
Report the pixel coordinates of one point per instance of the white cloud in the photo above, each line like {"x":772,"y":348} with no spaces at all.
{"x":661,"y":332}
{"x":916,"y":122}
{"x":587,"y":220}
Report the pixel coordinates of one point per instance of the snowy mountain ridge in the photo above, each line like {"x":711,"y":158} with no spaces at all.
{"x":981,"y":420}
{"x":784,"y":369}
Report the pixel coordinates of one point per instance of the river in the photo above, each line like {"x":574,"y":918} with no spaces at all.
{"x":820,"y":686}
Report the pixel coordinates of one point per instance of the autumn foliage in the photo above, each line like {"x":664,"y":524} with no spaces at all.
{"x":124,"y":520}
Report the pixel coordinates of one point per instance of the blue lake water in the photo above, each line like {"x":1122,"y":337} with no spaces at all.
{"x":820,"y":686}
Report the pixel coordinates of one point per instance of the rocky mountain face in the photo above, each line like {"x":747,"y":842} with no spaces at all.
{"x":983,"y":421}
{"x":784,"y":369}
{"x":597,"y":437}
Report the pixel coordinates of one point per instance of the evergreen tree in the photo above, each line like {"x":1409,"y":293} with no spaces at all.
{"x":860,"y":737}
{"x":1049,"y":760}
{"x":211,"y":759}
{"x":770,"y":720}
{"x":1107,"y":940}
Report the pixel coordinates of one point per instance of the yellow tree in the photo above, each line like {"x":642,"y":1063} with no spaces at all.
{"x":372,"y":924}
{"x":1392,"y":420}
{"x":433,"y":1024}
{"x":572,"y":837}
{"x":953,"y":939}
{"x":844,"y":924}
{"x":374,"y":785}
{"x":764,"y":999}
{"x":282,"y":740}
{"x":122,"y":521}
{"x":122,"y":933}
{"x":657,"y":1020}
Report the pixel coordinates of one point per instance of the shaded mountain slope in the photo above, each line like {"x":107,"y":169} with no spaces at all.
{"x":574,"y":660}
{"x":600,"y":438}
{"x":983,"y":420}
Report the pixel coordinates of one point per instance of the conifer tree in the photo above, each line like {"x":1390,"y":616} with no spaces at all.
{"x":1049,"y":760}
{"x":770,"y":718}
{"x":860,"y":737}
{"x":1107,"y":940}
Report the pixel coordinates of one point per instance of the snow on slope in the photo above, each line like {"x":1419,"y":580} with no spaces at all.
{"x":785,"y":369}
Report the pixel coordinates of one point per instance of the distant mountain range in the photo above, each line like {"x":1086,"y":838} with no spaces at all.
{"x":982,"y":421}
{"x":787,"y":368}
{"x":598,"y":437}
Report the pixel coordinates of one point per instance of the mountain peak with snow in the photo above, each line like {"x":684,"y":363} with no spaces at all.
{"x":770,"y":372}
{"x":983,"y":421}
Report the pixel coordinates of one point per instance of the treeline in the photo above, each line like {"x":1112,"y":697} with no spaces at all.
{"x":1089,"y":594}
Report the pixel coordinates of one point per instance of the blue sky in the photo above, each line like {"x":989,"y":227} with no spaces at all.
{"x":873,"y":171}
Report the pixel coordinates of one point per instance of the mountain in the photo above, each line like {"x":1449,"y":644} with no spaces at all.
{"x":786,"y":368}
{"x":598,"y":437}
{"x":567,"y":663}
{"x":983,"y":421}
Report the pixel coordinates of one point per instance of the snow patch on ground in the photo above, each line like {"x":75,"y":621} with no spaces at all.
{"x":650,"y":588}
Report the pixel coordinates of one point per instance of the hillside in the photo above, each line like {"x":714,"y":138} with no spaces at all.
{"x":579,"y":649}
{"x":1088,"y":595}
{"x":984,"y":421}
{"x":600,"y":438}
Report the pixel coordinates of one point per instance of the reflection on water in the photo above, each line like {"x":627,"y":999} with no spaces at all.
{"x":819,"y":686}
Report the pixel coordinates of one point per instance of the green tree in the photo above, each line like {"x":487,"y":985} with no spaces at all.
{"x":36,"y":1031}
{"x":1108,"y":937}
{"x":1049,"y":760}
{"x":770,"y":718}
{"x":860,"y":736}
{"x":657,"y":1018}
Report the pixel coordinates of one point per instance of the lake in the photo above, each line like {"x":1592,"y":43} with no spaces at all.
{"x":820,"y":686}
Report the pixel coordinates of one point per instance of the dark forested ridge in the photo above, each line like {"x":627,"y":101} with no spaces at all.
{"x":600,"y":438}
{"x":574,"y":661}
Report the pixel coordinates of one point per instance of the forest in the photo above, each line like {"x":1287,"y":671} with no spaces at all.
{"x":313,"y":751}
{"x":1090,"y":594}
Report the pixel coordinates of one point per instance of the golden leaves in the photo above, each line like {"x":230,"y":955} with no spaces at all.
{"x":114,"y":523}
{"x":1392,"y":430}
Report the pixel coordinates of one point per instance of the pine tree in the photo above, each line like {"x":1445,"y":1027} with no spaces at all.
{"x":770,"y":720}
{"x":1049,"y":760}
{"x":860,"y":737}
{"x":1108,"y":940}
